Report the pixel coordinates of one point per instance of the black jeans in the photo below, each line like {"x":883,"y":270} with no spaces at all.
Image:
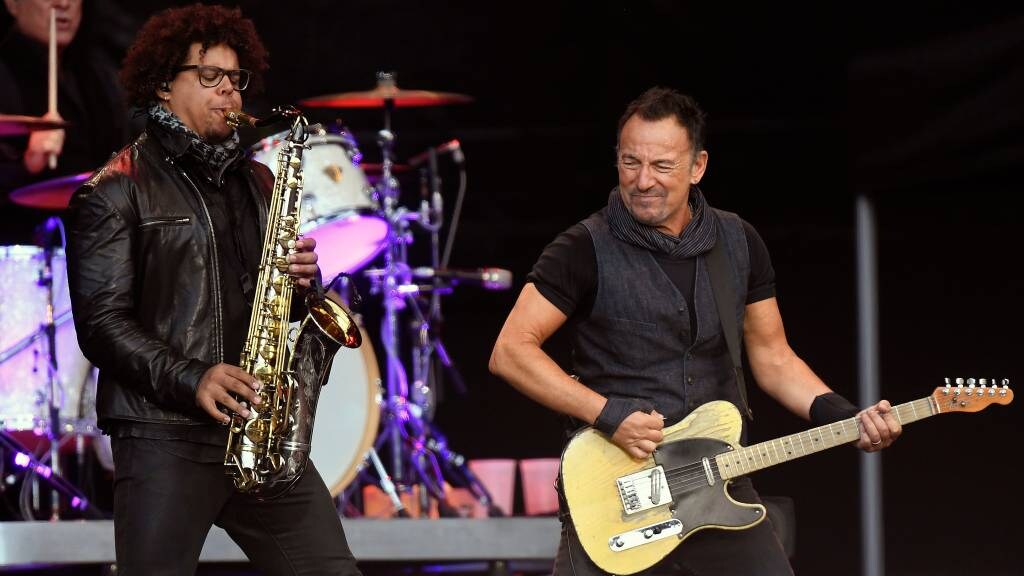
{"x":165,"y":502}
{"x":755,"y":551}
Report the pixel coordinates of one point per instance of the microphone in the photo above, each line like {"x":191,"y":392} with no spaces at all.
{"x":452,"y":146}
{"x":488,"y":278}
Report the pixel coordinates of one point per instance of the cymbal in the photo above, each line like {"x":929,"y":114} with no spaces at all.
{"x":384,"y":91}
{"x":16,"y":125}
{"x":49,"y":194}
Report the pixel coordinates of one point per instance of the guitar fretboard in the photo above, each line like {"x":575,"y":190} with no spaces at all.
{"x":759,"y":456}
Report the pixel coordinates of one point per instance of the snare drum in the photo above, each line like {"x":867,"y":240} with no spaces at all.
{"x":24,"y":353}
{"x":347,"y":415}
{"x":339,"y":206}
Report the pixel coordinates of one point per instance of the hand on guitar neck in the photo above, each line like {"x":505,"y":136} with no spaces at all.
{"x":879,"y":428}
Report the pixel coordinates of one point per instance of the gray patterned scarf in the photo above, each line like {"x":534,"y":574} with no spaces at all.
{"x":698,"y":237}
{"x":216,"y":156}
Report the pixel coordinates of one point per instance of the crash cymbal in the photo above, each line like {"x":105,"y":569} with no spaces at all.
{"x":384,"y":91}
{"x":15,"y":125}
{"x":49,"y":194}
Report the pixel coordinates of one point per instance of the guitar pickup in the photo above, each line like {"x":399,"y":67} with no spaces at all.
{"x":645,"y":535}
{"x":644,"y":490}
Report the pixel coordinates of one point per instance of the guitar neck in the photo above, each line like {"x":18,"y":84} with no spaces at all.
{"x":759,"y":456}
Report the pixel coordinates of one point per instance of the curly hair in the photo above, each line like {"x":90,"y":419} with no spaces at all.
{"x":163,"y":44}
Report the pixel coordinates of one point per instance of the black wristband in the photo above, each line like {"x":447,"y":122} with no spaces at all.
{"x":831,"y":407}
{"x":617,"y":409}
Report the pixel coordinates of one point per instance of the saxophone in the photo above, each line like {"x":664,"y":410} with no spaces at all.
{"x":267,"y":452}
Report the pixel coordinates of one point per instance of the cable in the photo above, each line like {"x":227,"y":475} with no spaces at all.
{"x":456,"y":213}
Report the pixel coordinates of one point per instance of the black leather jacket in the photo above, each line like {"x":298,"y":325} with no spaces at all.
{"x":145,"y":287}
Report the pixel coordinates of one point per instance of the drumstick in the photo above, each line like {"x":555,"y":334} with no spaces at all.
{"x":52,"y":77}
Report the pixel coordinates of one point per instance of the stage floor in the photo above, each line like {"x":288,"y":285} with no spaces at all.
{"x":413,"y":541}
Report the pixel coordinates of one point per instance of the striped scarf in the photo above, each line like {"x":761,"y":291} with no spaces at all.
{"x":698,"y":237}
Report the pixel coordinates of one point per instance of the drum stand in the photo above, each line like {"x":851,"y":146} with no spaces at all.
{"x":417,"y":450}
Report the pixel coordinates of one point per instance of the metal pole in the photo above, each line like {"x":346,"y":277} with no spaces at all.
{"x":872,"y":531}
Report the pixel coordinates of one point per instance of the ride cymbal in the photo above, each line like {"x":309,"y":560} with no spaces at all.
{"x":385,"y":91}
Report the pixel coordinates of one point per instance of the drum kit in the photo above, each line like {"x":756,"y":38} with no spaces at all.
{"x":371,"y":430}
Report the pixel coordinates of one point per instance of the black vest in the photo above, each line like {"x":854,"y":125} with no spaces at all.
{"x":637,"y":341}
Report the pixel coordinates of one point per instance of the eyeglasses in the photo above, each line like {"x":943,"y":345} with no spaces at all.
{"x":210,"y":76}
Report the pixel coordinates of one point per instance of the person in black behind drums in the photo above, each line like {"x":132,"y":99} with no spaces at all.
{"x":164,"y":243}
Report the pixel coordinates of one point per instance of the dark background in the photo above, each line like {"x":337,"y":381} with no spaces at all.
{"x":917,"y":108}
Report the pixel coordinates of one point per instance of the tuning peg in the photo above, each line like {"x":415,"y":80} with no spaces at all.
{"x":1006,"y":382}
{"x":970,"y":381}
{"x":959,"y":381}
{"x":983,"y":382}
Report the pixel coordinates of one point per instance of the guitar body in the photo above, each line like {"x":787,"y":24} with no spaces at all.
{"x":596,"y":478}
{"x":629,"y":514}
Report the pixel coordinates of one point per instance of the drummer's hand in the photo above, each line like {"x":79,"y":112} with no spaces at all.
{"x":216,"y":387}
{"x":41,"y":144}
{"x":302,"y":264}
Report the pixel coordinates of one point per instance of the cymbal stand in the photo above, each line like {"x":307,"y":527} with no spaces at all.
{"x":50,"y":329}
{"x":413,"y":443}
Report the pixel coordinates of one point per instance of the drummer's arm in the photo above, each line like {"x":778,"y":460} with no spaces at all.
{"x":102,"y":236}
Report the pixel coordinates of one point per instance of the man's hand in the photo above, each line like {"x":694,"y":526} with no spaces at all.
{"x":302,"y":264}
{"x":639,"y":434}
{"x":216,"y":387}
{"x":41,"y":145}
{"x":878,"y":427}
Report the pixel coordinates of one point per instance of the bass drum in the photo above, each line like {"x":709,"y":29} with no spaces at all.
{"x":347,"y":415}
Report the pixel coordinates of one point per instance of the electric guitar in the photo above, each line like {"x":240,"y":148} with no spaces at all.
{"x":629,"y":513}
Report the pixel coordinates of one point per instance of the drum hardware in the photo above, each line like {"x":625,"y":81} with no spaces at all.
{"x":417,"y":452}
{"x":49,"y":234}
{"x":35,"y":468}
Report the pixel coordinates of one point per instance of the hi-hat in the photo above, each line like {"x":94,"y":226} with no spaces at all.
{"x":385,"y":91}
{"x":15,"y":125}
{"x":49,"y":194}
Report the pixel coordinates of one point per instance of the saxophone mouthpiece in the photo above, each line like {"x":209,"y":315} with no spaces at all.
{"x":236,"y":118}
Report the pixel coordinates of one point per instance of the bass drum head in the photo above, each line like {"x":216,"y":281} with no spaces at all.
{"x":347,"y":415}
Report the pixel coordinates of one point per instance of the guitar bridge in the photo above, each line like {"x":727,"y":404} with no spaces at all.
{"x":645,"y":535}
{"x":644,"y":490}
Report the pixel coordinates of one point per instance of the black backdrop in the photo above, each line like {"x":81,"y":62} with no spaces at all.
{"x":917,"y":108}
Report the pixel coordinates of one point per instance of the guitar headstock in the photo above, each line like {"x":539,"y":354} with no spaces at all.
{"x":974,"y":397}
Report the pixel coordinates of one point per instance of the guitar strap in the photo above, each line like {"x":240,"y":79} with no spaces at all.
{"x":725,"y":300}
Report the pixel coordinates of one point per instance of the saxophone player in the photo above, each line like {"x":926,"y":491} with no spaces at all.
{"x":164,"y":245}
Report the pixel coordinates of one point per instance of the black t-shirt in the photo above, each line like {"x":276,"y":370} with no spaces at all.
{"x":566,"y":272}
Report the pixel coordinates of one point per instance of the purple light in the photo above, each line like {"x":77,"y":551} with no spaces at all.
{"x":43,"y":471}
{"x":22,"y":459}
{"x":79,"y":503}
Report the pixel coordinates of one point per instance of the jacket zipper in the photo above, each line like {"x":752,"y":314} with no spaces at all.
{"x":166,"y":221}
{"x":216,"y":265}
